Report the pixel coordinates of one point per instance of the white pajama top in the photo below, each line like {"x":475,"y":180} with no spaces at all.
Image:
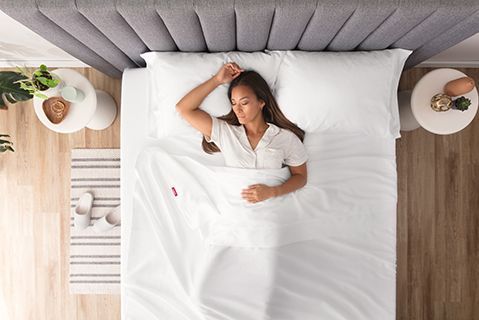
{"x":277,"y":147}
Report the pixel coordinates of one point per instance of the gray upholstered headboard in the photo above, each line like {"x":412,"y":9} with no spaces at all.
{"x":110,"y":35}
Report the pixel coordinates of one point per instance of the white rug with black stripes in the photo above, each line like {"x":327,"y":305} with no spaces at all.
{"x":95,"y":257}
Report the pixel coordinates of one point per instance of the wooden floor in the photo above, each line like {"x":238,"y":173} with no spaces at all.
{"x":34,"y":215}
{"x":438,"y":218}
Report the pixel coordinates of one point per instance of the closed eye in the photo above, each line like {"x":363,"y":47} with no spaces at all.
{"x":243,"y":104}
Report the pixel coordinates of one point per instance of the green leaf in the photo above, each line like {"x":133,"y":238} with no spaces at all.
{"x":28,"y":86}
{"x":12,"y":89}
{"x":54,"y":82}
{"x":5,"y":144}
{"x":42,"y":80}
{"x":10,"y":98}
{"x":40,"y":95}
{"x":43,"y":67}
{"x":24,"y":86}
{"x":51,"y":83}
{"x":23,"y":72}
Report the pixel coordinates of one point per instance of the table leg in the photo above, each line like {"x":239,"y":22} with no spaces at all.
{"x":408,"y":122}
{"x":105,"y":113}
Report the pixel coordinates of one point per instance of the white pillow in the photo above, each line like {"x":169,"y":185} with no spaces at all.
{"x":342,"y":92}
{"x":174,"y":74}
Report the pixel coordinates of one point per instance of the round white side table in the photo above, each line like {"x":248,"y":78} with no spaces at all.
{"x":97,"y":111}
{"x":445,"y":122}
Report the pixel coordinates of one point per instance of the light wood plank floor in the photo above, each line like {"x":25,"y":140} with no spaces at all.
{"x":438,"y":218}
{"x":34,"y":214}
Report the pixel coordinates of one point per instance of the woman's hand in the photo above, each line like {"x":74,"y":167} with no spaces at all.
{"x":228,"y":72}
{"x":257,"y":192}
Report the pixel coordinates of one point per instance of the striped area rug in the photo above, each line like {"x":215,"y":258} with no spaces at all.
{"x":95,"y":257}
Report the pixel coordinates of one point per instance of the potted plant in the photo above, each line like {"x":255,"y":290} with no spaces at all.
{"x":10,"y":89}
{"x":23,"y":84}
{"x":461,"y":103}
{"x":40,"y":80}
{"x":5,"y":145}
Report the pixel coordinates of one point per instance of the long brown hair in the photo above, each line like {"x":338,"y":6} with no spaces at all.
{"x":271,"y":111}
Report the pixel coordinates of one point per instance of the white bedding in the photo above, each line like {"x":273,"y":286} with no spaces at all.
{"x":346,"y":272}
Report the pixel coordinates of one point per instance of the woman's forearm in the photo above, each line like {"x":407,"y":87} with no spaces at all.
{"x":192,"y":100}
{"x":295,"y":182}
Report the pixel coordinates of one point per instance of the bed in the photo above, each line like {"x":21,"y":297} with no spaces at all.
{"x":349,"y":273}
{"x":111,"y":36}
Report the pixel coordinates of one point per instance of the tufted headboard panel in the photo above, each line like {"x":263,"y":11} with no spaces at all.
{"x":110,"y":35}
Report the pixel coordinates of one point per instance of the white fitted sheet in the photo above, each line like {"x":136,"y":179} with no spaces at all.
{"x":168,"y":273}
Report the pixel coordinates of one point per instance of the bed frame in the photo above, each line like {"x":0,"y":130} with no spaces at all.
{"x":110,"y":35}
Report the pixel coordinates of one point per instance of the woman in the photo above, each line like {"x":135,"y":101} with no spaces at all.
{"x":255,"y":134}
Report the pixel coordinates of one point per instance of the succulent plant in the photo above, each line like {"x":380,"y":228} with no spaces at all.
{"x":461,"y":103}
{"x":5,"y":145}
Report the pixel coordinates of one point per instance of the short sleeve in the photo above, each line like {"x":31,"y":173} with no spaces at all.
{"x":217,"y":129}
{"x":296,"y":153}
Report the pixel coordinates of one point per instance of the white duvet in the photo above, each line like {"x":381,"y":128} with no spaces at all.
{"x":327,"y":251}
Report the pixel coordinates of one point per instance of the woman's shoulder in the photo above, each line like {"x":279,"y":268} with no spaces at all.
{"x":288,"y":135}
{"x":225,"y":125}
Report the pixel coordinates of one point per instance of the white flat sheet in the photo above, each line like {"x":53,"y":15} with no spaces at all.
{"x":169,"y":273}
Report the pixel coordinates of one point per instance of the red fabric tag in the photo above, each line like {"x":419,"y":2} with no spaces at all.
{"x":174,"y":191}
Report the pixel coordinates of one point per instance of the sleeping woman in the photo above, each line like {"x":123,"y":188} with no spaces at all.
{"x":255,"y":134}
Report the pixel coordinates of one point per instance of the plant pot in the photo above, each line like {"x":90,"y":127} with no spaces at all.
{"x":40,"y":86}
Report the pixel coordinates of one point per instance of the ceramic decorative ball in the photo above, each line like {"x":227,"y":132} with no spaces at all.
{"x":441,"y":102}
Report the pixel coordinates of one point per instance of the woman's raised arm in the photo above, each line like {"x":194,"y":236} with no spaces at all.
{"x":188,"y":106}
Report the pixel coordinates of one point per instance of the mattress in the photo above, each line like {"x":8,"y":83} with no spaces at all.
{"x":167,"y":272}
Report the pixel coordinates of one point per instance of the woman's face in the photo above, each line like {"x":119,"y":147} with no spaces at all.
{"x":245,"y":104}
